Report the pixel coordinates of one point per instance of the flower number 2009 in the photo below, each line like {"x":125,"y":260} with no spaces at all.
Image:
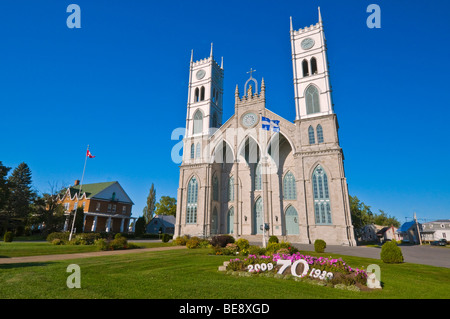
{"x":260,"y":267}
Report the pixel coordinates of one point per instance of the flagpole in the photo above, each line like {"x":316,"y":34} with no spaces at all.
{"x":79,"y":194}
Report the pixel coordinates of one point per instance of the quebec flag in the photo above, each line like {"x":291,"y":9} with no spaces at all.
{"x":268,"y":123}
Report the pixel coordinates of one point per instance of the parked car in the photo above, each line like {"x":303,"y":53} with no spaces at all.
{"x":440,"y":242}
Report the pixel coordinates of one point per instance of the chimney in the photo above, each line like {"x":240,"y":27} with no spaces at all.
{"x":77,"y":182}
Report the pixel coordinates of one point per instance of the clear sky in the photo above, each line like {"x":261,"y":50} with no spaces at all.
{"x":120,"y":83}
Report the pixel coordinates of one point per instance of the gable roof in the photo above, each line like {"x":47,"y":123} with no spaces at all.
{"x":103,"y":191}
{"x":90,"y":189}
{"x":166,"y":220}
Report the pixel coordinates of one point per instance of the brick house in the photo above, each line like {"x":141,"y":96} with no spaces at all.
{"x":107,"y":207}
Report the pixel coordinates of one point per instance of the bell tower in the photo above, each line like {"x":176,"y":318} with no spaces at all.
{"x":310,"y":68}
{"x":204,"y":107}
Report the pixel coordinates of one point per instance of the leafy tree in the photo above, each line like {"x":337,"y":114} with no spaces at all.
{"x":362,"y":216}
{"x":384,"y":220}
{"x":49,"y":211}
{"x":360,"y":213}
{"x":167,"y":206}
{"x":150,"y":208}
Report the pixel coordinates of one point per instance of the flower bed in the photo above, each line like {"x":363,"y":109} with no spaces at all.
{"x":319,"y":270}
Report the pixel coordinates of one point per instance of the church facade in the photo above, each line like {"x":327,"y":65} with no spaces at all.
{"x":258,"y":172}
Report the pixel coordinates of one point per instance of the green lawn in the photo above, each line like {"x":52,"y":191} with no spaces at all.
{"x":18,"y":249}
{"x":193,"y":274}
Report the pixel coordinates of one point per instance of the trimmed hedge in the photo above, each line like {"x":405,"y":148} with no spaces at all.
{"x":8,"y":237}
{"x":320,"y":245}
{"x":391,"y":253}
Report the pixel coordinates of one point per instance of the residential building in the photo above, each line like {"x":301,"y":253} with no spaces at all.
{"x":436,"y":230}
{"x":106,"y":206}
{"x":161,"y":224}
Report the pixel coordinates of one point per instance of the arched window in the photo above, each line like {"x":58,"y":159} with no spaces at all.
{"x":231,"y":189}
{"x":214,"y":95}
{"x":192,"y":151}
{"x":289,"y":190}
{"x":312,"y":139}
{"x":192,"y":196}
{"x":319,"y":134}
{"x":198,"y":122}
{"x":196,"y":95}
{"x":322,"y":206}
{"x":202,"y":93}
{"x":312,"y":100}
{"x":230,"y":221}
{"x":258,"y":177}
{"x":215,"y":188}
{"x":305,"y":68}
{"x":197,"y":150}
{"x":313,"y":66}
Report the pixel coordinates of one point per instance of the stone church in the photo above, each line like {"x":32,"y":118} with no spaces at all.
{"x":258,"y":174}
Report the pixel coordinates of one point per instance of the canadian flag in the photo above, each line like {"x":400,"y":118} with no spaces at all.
{"x":88,"y":154}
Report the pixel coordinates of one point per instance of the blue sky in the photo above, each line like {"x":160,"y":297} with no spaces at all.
{"x":120,"y":85}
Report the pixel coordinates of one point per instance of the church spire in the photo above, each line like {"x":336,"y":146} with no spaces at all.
{"x":320,"y":16}
{"x":211,"y":54}
{"x":290,"y":18}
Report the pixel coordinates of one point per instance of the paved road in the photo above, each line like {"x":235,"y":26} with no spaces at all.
{"x":426,"y":255}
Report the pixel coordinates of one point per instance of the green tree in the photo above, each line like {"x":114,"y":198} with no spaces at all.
{"x":139,"y":229}
{"x":4,"y":196}
{"x":21,"y":195}
{"x":49,"y":211}
{"x":384,"y":220}
{"x":150,"y":208}
{"x":166,"y":206}
{"x":360,"y":213}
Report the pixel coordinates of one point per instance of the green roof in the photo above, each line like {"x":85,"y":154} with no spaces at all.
{"x":90,"y":189}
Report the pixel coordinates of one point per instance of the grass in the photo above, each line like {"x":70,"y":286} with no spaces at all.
{"x":185,"y":274}
{"x":17,"y":249}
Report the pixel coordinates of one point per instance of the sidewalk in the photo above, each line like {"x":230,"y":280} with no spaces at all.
{"x":44,"y":258}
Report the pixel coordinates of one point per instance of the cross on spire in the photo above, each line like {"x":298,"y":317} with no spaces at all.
{"x":251,"y":72}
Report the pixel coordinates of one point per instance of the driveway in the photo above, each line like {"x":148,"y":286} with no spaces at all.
{"x":426,"y":255}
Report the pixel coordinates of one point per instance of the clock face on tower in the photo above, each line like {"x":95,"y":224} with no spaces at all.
{"x":249,"y":120}
{"x":307,"y":44}
{"x":200,"y":74}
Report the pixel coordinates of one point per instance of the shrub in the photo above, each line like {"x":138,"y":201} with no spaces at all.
{"x":192,"y":243}
{"x":320,"y":245}
{"x":63,"y":236}
{"x":230,"y":249}
{"x":8,"y":237}
{"x":165,"y":238}
{"x":256,"y":250}
{"x":273,"y":239}
{"x":243,"y":245}
{"x":391,"y":253}
{"x":180,"y":241}
{"x":222,"y":240}
{"x":102,"y":244}
{"x":57,"y":241}
{"x":118,"y":243}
